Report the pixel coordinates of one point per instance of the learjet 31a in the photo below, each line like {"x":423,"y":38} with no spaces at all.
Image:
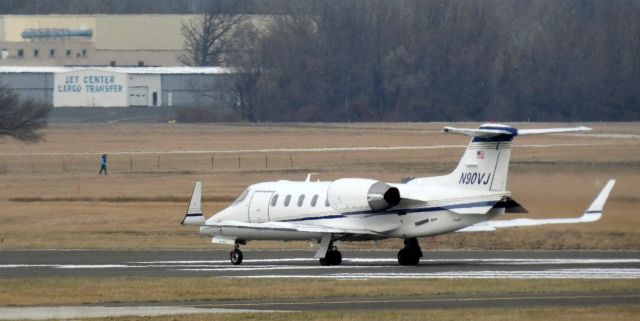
{"x":355,"y":209}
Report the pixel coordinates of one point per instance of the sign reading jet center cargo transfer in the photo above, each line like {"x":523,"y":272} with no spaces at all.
{"x":87,"y":88}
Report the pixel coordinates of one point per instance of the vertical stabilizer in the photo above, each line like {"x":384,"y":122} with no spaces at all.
{"x":485,"y":163}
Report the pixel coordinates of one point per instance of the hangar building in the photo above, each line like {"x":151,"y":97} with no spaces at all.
{"x":122,"y":86}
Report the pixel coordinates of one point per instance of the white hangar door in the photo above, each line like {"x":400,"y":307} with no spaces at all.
{"x":259,"y":207}
{"x":138,"y":96}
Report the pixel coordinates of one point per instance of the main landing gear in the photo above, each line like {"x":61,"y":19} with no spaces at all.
{"x":411,"y":253}
{"x":333,"y":256}
{"x":236,"y":255}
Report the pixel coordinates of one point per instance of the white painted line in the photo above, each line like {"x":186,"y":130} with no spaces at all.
{"x":300,"y":259}
{"x":272,"y":264}
{"x":81,"y":312}
{"x":393,"y":260}
{"x":545,"y":274}
{"x":72,"y":266}
{"x":281,"y":267}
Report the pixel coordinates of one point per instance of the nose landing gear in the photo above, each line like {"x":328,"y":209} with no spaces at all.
{"x":236,"y":255}
{"x":411,"y":253}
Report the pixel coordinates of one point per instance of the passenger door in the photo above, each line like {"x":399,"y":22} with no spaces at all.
{"x":259,"y":207}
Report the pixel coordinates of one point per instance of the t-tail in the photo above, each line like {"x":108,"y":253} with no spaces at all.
{"x":485,"y":163}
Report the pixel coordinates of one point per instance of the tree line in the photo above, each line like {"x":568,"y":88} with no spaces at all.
{"x":446,"y":60}
{"x":41,"y":7}
{"x":409,"y":60}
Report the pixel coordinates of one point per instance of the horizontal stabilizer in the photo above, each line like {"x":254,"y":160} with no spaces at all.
{"x":593,"y":213}
{"x":488,"y":131}
{"x":522,"y":132}
{"x":478,"y":132}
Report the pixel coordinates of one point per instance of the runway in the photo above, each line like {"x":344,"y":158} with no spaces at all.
{"x":300,"y":264}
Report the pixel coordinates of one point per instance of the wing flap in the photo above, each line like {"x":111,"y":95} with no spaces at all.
{"x":291,"y":227}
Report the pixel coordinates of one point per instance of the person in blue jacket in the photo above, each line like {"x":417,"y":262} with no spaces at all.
{"x":103,"y":164}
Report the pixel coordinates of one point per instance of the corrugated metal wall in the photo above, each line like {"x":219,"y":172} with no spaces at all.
{"x":38,"y":86}
{"x":190,"y":90}
{"x":198,"y":90}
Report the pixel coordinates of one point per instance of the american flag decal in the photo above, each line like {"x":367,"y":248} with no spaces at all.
{"x":480,"y":154}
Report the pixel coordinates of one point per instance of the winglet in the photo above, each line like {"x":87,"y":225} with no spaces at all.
{"x":594,"y":212}
{"x":194,"y":213}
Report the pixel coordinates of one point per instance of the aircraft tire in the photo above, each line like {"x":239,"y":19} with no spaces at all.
{"x":408,"y":257}
{"x":331,"y":258}
{"x":336,"y":258}
{"x":235,"y":256}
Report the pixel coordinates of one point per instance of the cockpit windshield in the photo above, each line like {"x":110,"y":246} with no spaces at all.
{"x":241,"y":197}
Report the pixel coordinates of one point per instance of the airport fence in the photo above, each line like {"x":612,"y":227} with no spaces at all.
{"x":191,"y":162}
{"x":141,"y":163}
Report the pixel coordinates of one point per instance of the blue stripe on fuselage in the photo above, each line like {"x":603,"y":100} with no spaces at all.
{"x":327,"y":217}
{"x":400,"y":211}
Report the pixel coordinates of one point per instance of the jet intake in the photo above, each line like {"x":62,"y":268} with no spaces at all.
{"x":358,"y":194}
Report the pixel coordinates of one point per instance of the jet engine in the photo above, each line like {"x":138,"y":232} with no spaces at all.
{"x":359,"y":194}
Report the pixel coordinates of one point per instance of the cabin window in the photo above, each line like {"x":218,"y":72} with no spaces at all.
{"x":241,"y":197}
{"x":300,"y":200}
{"x":314,"y":200}
{"x":326,"y":202}
{"x":274,"y":200}
{"x":287,"y":200}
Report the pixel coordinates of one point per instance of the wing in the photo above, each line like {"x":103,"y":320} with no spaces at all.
{"x":327,"y":233}
{"x":593,"y":213}
{"x":291,"y":227}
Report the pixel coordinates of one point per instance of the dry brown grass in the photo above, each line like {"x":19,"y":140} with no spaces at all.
{"x":88,"y":290}
{"x":58,"y":201}
{"x":618,"y":313}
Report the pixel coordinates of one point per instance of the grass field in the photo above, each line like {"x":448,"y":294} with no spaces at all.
{"x":78,"y":291}
{"x":89,"y":290}
{"x":52,"y":197}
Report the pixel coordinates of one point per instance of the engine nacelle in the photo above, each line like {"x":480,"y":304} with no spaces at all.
{"x":359,"y":194}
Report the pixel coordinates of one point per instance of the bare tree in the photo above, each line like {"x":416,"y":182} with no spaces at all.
{"x":207,"y":38}
{"x":21,"y":119}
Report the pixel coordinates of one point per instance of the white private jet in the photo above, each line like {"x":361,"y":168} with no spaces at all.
{"x":356,"y":209}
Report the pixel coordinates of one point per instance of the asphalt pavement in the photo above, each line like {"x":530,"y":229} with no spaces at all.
{"x":301,"y":264}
